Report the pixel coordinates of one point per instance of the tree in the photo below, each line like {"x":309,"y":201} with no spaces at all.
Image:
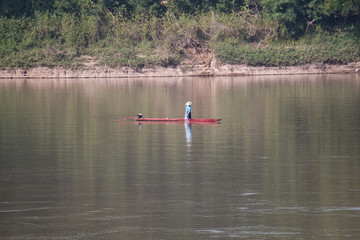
{"x":290,"y":14}
{"x":331,"y":13}
{"x":18,"y":8}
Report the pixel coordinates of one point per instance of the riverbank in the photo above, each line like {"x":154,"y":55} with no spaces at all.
{"x":213,"y":69}
{"x":50,"y":44}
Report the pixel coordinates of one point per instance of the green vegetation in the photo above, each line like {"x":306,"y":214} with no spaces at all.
{"x":145,"y":33}
{"x":320,"y":49}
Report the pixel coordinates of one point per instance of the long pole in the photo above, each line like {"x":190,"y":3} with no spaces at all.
{"x":126,"y":118}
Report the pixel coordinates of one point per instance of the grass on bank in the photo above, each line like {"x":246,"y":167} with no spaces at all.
{"x":85,"y":41}
{"x":321,"y":49}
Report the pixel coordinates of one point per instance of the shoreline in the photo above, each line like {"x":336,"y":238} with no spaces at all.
{"x":180,"y":71}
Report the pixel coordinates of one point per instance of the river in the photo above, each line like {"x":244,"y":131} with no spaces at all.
{"x":283,"y":163}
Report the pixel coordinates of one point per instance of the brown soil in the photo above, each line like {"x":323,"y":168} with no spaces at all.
{"x":200,"y":62}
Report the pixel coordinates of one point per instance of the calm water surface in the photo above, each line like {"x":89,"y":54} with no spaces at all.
{"x":284,"y":163}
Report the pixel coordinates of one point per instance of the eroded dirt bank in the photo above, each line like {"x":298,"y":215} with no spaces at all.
{"x":213,"y":69}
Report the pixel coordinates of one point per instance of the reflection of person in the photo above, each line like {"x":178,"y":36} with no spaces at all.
{"x":188,"y":133}
{"x":188,"y":110}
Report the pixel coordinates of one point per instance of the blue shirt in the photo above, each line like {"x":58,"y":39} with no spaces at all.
{"x":188,"y":112}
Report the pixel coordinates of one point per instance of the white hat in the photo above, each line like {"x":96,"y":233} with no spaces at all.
{"x":188,"y":103}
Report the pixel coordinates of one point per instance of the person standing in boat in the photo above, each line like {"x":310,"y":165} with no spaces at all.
{"x":188,"y":110}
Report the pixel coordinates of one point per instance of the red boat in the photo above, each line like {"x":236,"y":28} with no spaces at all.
{"x":178,"y":120}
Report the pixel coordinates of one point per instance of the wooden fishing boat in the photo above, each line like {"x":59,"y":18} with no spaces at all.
{"x":178,"y":120}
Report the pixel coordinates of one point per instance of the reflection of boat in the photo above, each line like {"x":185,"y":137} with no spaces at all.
{"x":180,"y":120}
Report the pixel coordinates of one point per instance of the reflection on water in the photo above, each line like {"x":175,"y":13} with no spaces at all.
{"x":188,"y":133}
{"x":283,"y":163}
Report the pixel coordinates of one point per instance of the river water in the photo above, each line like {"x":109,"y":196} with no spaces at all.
{"x":284,"y":163}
